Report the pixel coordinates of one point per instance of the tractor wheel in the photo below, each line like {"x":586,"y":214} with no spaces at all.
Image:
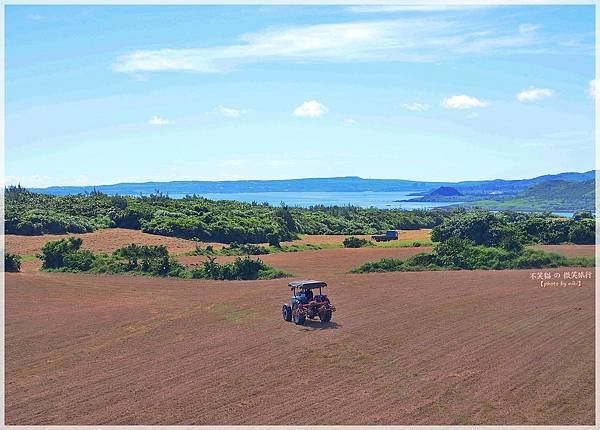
{"x":298,"y":317}
{"x":286,"y":312}
{"x":325,"y":316}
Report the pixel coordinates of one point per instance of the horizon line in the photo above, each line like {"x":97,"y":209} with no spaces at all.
{"x":290,"y":179}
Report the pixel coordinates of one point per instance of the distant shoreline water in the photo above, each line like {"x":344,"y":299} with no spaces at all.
{"x":364,"y":199}
{"x":305,"y":199}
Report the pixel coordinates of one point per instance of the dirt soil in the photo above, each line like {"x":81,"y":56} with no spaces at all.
{"x":481,"y":347}
{"x":107,"y":240}
{"x":342,"y":259}
{"x":570,"y":250}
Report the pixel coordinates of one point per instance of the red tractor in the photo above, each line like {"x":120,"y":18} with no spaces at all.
{"x":304,"y":304}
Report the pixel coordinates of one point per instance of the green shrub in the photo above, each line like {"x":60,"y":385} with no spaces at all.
{"x":244,"y":249}
{"x":240,"y":269}
{"x":274,"y":240}
{"x":104,"y":263}
{"x":78,"y":261}
{"x":355,"y":242}
{"x":199,"y":250}
{"x":54,"y":252}
{"x":457,"y":254}
{"x":580,"y":215}
{"x":65,"y":255}
{"x":480,"y":228}
{"x":12,"y":262}
{"x":583,"y":232}
{"x":508,"y":229}
{"x":149,"y":259}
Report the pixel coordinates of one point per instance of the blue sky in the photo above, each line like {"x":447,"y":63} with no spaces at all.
{"x":106,"y":94}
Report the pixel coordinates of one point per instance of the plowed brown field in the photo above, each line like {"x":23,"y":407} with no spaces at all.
{"x":482,"y":347}
{"x":107,"y":240}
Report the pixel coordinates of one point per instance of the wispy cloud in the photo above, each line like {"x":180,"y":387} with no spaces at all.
{"x":35,"y":17}
{"x":421,"y":38}
{"x":350,"y":121}
{"x":156,"y":120}
{"x":528,"y":28}
{"x":230,"y":112}
{"x":415,"y":106}
{"x":472,"y":115}
{"x":463,"y":102}
{"x":592,"y":89}
{"x":533,"y":94}
{"x":310,"y":109}
{"x":411,"y":8}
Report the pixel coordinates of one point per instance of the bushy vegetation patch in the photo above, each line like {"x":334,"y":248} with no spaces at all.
{"x":356,"y":242}
{"x":583,"y":231}
{"x":65,"y":255}
{"x":460,"y":254}
{"x":198,"y":218}
{"x":509,"y":229}
{"x":244,"y":249}
{"x":12,"y":262}
{"x":240,"y":269}
{"x":404,"y":243}
{"x":236,"y":249}
{"x":251,"y":223}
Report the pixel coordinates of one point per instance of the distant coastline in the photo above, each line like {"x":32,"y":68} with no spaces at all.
{"x":335,"y":184}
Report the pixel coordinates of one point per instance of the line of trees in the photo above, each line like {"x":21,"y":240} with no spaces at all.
{"x":514,"y":228}
{"x":198,"y":218}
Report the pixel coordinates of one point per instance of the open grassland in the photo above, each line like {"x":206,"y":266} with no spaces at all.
{"x":462,"y":347}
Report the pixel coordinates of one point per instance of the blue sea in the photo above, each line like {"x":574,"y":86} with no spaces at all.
{"x":365,"y":199}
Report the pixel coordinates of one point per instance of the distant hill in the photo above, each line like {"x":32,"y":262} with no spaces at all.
{"x":477,"y":189}
{"x":552,"y":195}
{"x":440,"y":194}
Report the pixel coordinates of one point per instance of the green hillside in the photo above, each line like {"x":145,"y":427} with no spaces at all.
{"x":553,"y":195}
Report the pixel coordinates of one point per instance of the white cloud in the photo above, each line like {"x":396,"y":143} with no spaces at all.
{"x":350,"y":121}
{"x":463,"y":102}
{"x":593,"y":89}
{"x":310,"y":109}
{"x":472,"y":115}
{"x":156,"y":120}
{"x":533,"y":94}
{"x":231,"y":112}
{"x":35,"y":17}
{"x":410,"y":8}
{"x":528,"y":28}
{"x":420,"y":38}
{"x":415,"y":106}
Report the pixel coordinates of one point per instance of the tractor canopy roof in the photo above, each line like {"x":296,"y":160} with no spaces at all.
{"x":307,"y":284}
